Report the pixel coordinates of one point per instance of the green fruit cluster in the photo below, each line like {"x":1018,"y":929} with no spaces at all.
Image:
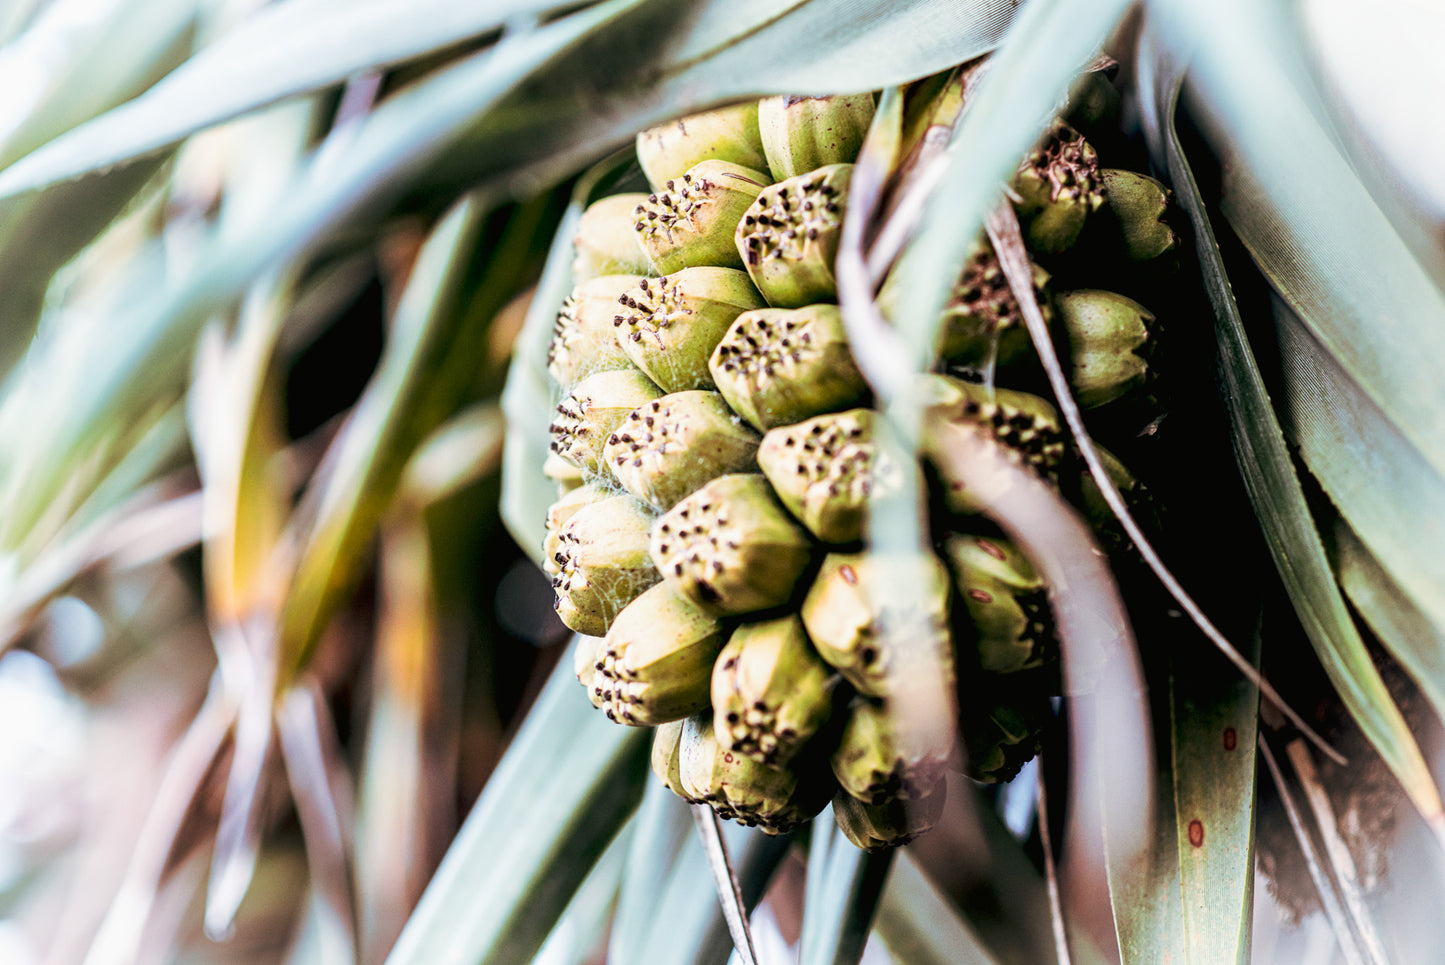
{"x":718,"y":457}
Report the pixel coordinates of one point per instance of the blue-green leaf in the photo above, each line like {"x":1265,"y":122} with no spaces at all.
{"x":688,"y":926}
{"x":920,"y":926}
{"x":1269,"y":474}
{"x":567,"y":784}
{"x":662,"y":827}
{"x":284,"y":50}
{"x":845,"y":885}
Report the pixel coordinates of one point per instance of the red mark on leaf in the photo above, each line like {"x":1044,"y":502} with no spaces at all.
{"x":1230,"y":739}
{"x":1196,"y":833}
{"x":990,"y":549}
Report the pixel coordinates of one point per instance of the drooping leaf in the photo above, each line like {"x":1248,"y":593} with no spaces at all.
{"x":920,"y":926}
{"x":663,"y":827}
{"x":1270,"y":477}
{"x":64,"y":70}
{"x":283,"y":50}
{"x":566,"y":785}
{"x":1213,"y":724}
{"x":1047,"y":44}
{"x":60,"y":72}
{"x":506,"y":121}
{"x":710,"y":52}
{"x":579,"y":932}
{"x":688,"y":926}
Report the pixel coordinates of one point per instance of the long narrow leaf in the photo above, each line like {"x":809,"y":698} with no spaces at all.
{"x":725,"y":882}
{"x":715,"y":55}
{"x":286,"y":49}
{"x":1213,"y":723}
{"x":579,"y":932}
{"x":688,"y":926}
{"x":1046,"y":45}
{"x":1274,"y":488}
{"x":563,"y":790}
{"x":322,"y":793}
{"x":383,"y":431}
{"x":919,"y":925}
{"x":475,"y":124}
{"x":406,"y":786}
{"x":1409,"y":634}
{"x":1146,"y":893}
{"x":663,"y":826}
{"x":65,"y":70}
{"x":1381,"y":484}
{"x":1365,"y":323}
{"x":842,"y":901}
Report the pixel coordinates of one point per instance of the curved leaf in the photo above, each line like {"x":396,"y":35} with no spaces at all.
{"x":845,"y":886}
{"x":286,"y":49}
{"x":1045,"y":47}
{"x":1273,"y":486}
{"x":919,"y":925}
{"x":1371,"y":316}
{"x":566,"y":785}
{"x":1213,"y":723}
{"x":61,"y":72}
{"x":506,"y":121}
{"x":711,"y":52}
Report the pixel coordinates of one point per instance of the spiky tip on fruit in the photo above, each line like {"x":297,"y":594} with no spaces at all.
{"x":788,"y":239}
{"x":692,"y":222}
{"x":778,"y":366}
{"x":731,"y":547}
{"x":669,"y":326}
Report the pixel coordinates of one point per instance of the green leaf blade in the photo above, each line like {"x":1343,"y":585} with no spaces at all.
{"x":1278,"y":496}
{"x":565,"y":787}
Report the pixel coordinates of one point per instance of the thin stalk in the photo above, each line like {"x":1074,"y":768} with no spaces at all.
{"x":1003,"y":232}
{"x":729,"y":893}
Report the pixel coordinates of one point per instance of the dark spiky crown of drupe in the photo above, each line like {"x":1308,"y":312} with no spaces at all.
{"x":1068,"y":164}
{"x":655,"y":304}
{"x":688,"y":199}
{"x":793,"y":213}
{"x":1025,"y":424}
{"x":761,"y":347}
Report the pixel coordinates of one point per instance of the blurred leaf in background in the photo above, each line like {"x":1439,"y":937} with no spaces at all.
{"x":279,"y":686}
